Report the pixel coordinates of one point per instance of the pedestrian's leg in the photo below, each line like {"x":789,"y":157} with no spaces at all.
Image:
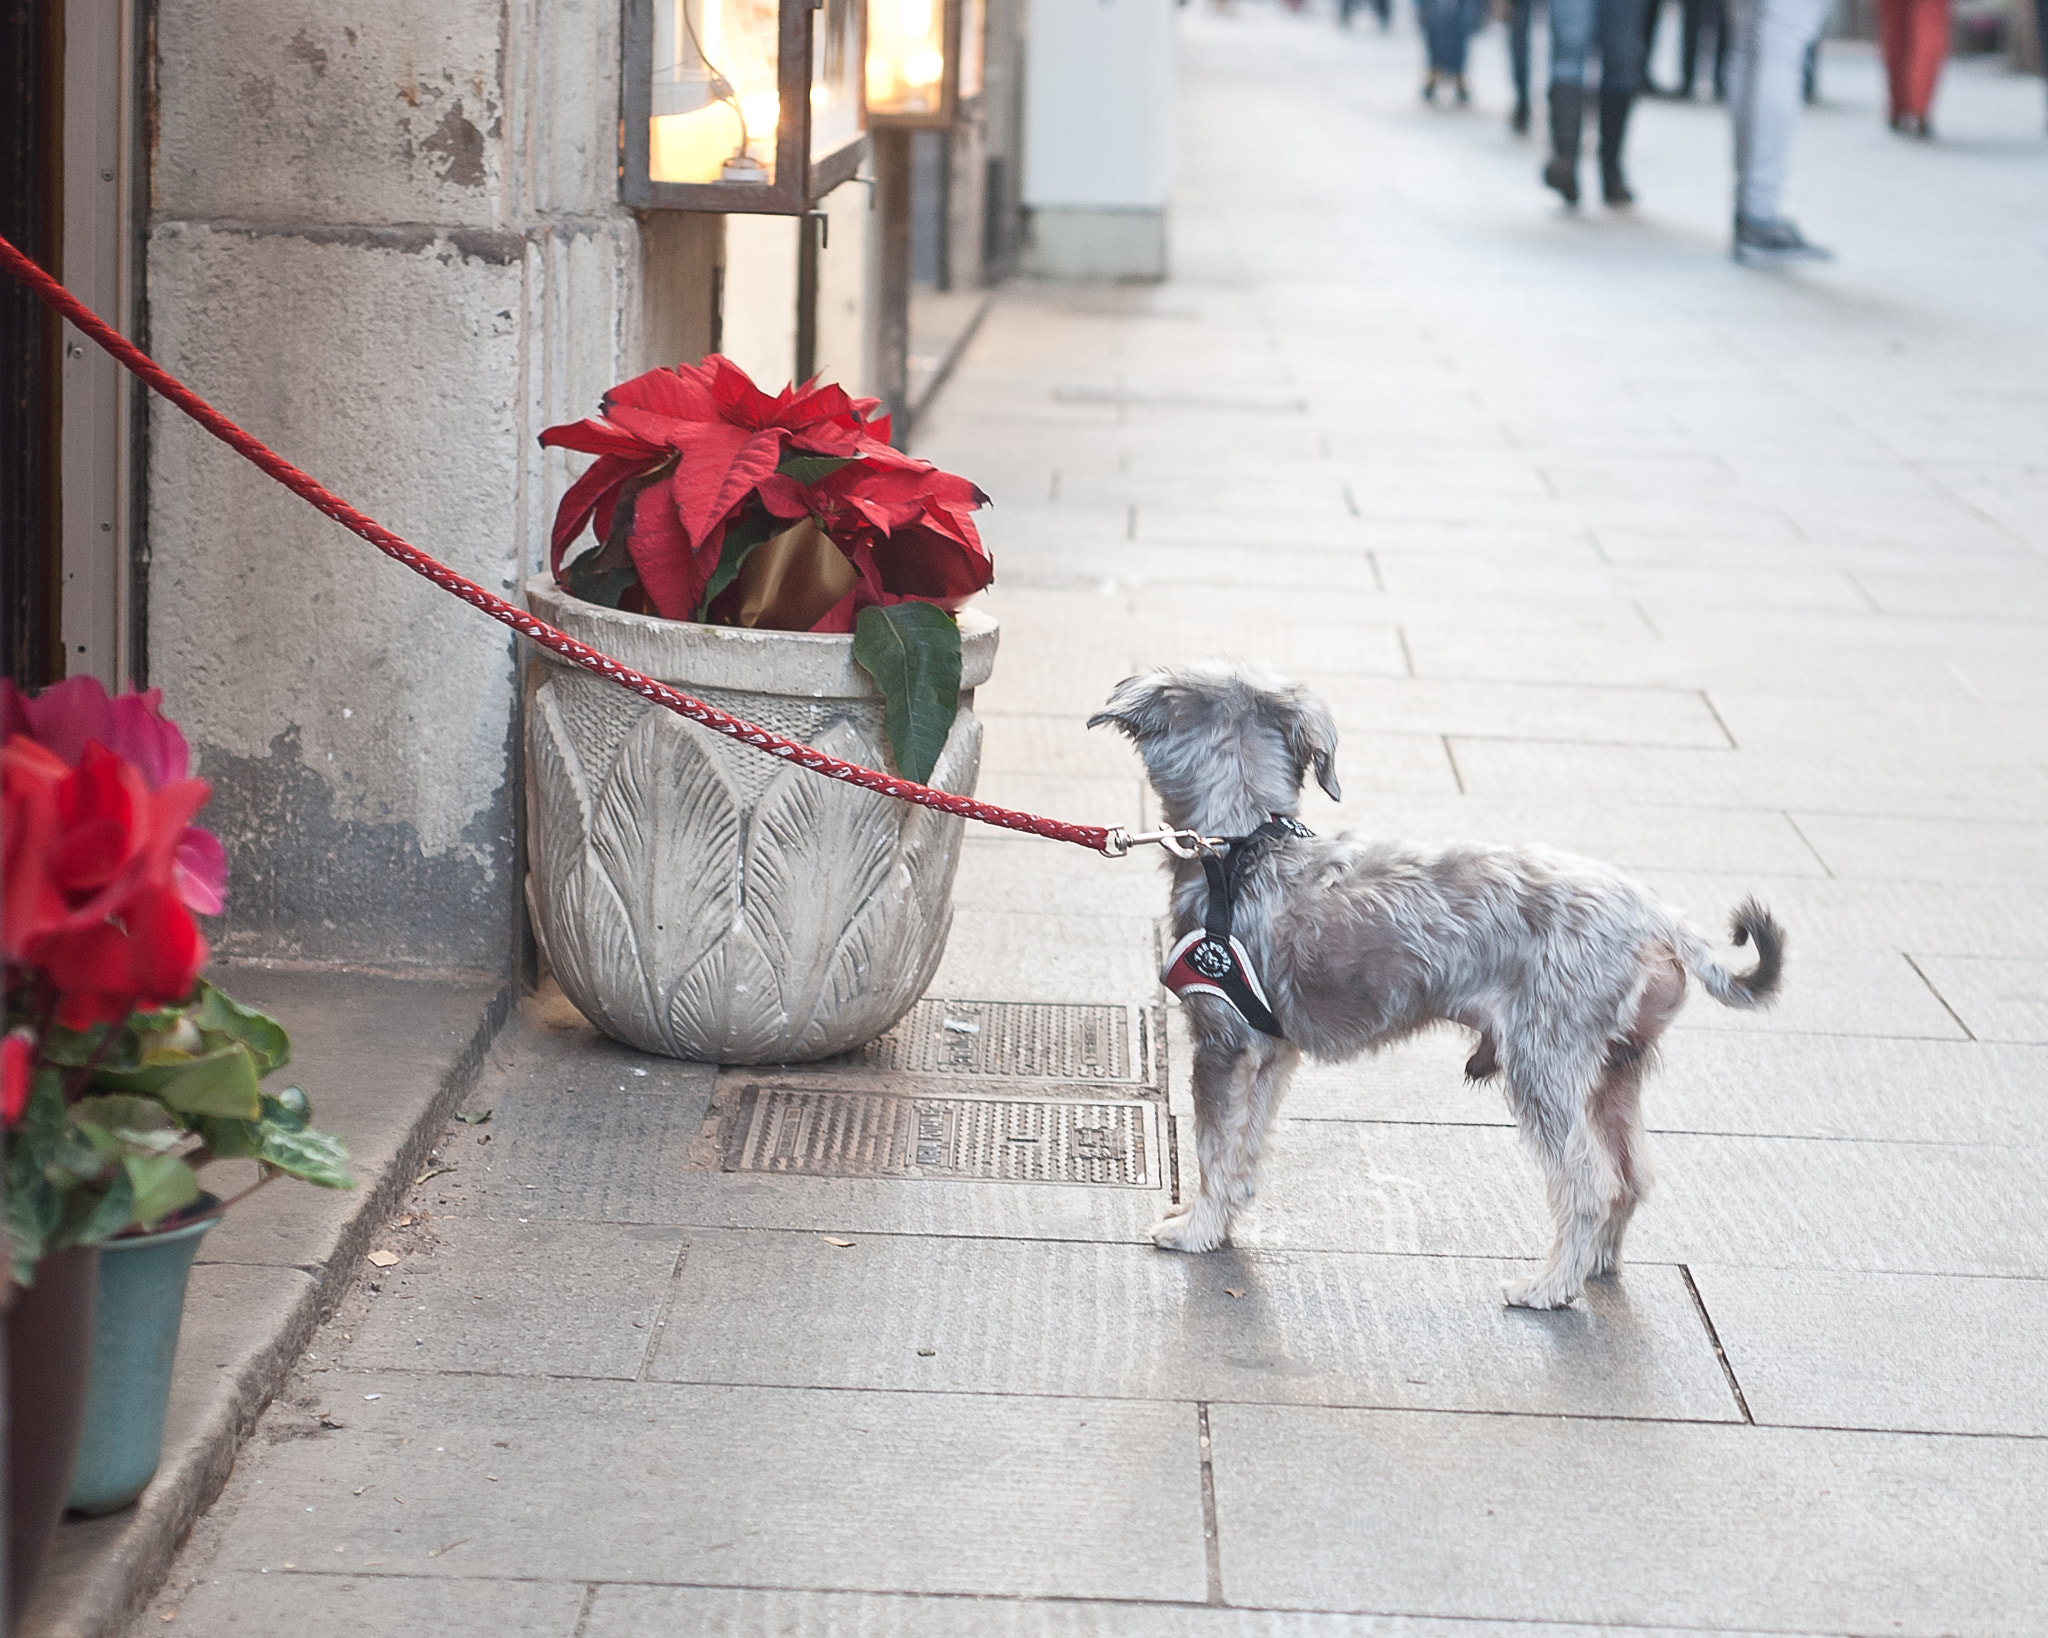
{"x":1469,"y":15}
{"x":1894,"y":23}
{"x":1690,"y":13}
{"x":1653,"y":11}
{"x":1621,"y":64}
{"x":1724,"y":41}
{"x":1770,"y":43}
{"x":2041,"y":33}
{"x":1437,"y":17}
{"x":1571,"y":39}
{"x":1518,"y":60}
{"x":1925,"y":55}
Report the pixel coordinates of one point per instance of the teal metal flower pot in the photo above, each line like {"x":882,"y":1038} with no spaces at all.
{"x":135,"y":1339}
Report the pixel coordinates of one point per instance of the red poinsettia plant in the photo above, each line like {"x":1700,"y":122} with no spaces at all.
{"x":121,"y":1069}
{"x":711,"y":501}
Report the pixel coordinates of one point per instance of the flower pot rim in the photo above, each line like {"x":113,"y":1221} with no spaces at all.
{"x":206,"y":1213}
{"x":742,"y":659}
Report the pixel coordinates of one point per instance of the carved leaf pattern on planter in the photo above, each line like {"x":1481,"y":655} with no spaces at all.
{"x":578,"y":919}
{"x":692,"y":908}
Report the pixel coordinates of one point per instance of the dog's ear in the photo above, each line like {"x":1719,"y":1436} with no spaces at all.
{"x":1137,"y":705}
{"x":1311,"y":734}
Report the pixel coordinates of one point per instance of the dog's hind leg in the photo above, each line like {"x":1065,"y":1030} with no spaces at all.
{"x":1580,"y":1177}
{"x":1617,"y":1103}
{"x":1235,"y":1091}
{"x":1617,"y":1119}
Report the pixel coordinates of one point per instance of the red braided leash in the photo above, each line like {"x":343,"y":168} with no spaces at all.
{"x":1101,"y":838}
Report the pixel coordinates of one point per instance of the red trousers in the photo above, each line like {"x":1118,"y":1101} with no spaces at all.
{"x":1914,"y":34}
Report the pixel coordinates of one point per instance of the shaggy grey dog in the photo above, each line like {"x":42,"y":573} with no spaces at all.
{"x":1566,"y":970}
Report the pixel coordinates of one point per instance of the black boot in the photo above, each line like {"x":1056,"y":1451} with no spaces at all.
{"x":1567,"y":115}
{"x":1614,"y":107}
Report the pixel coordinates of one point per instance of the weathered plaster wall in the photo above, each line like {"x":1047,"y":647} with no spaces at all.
{"x":388,"y":242}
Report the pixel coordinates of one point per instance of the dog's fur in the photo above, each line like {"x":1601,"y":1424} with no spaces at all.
{"x":1567,"y":971}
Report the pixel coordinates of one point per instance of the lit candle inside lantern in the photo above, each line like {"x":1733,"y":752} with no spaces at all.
{"x":906,"y":56}
{"x":715,"y":111}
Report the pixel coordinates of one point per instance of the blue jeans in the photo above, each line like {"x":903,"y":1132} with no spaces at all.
{"x":1770,"y":41}
{"x":1448,"y":26}
{"x":1614,"y":28}
{"x":1519,"y":18}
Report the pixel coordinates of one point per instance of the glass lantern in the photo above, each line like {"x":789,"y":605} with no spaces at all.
{"x":739,"y":106}
{"x":924,"y":60}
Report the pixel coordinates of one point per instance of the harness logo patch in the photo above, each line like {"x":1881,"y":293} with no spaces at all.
{"x":1203,"y":965}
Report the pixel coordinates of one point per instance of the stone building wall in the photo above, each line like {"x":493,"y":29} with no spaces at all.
{"x":387,"y":240}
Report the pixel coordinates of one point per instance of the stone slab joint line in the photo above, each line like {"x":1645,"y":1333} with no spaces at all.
{"x":1714,"y":1336}
{"x":664,"y":1312}
{"x":1920,"y":973}
{"x":1212,"y":1546}
{"x":1819,"y":857}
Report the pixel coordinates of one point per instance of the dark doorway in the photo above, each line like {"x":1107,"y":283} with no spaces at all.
{"x":31,"y":216}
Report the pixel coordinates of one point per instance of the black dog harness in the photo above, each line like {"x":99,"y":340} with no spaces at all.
{"x":1210,"y":960}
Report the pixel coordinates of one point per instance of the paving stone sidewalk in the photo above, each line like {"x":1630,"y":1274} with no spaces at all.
{"x":1737,"y":579}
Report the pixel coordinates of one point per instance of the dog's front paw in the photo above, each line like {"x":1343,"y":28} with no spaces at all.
{"x":1541,"y":1292}
{"x":1186,"y":1232}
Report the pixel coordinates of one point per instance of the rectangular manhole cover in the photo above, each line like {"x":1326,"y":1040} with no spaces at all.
{"x":1027,"y":1040}
{"x":1000,"y":1140}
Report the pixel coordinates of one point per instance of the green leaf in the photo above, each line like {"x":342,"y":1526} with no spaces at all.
{"x":262,"y":1034}
{"x":122,"y":1123}
{"x":160,"y":1185}
{"x":912,"y":650}
{"x":281,"y":1139}
{"x":34,"y":1210}
{"x":808,"y":469}
{"x":317,"y":1157}
{"x":220,"y":1082}
{"x":93,"y":1222}
{"x":589,"y":578}
{"x":74,"y":1049}
{"x":229,"y":1139}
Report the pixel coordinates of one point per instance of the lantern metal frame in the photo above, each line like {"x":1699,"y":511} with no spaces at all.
{"x":947,"y":114}
{"x":800,"y":180}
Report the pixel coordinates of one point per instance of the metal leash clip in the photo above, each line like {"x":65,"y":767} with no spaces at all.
{"x":1182,"y":844}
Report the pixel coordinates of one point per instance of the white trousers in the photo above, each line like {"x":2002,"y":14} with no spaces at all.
{"x":1769,"y":40}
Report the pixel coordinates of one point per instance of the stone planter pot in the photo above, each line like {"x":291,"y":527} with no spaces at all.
{"x":49,"y":1350}
{"x":136,"y":1316}
{"x":698,"y":898}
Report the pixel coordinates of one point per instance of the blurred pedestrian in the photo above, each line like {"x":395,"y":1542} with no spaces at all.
{"x":1447,"y":27}
{"x":1653,"y":12}
{"x":1382,"y":9}
{"x":1520,"y":15}
{"x":1695,"y":19}
{"x":1769,"y":55}
{"x":1914,"y":35}
{"x":2041,"y":34}
{"x":1578,"y":28}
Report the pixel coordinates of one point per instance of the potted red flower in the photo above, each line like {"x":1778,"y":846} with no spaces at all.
{"x":122,"y":1073}
{"x":776,"y":554}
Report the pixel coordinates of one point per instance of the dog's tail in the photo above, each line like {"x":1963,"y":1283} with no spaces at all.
{"x":1759,"y":986}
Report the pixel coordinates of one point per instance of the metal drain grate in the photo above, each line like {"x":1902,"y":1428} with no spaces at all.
{"x":1029,"y":1040}
{"x":1003,"y":1140}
